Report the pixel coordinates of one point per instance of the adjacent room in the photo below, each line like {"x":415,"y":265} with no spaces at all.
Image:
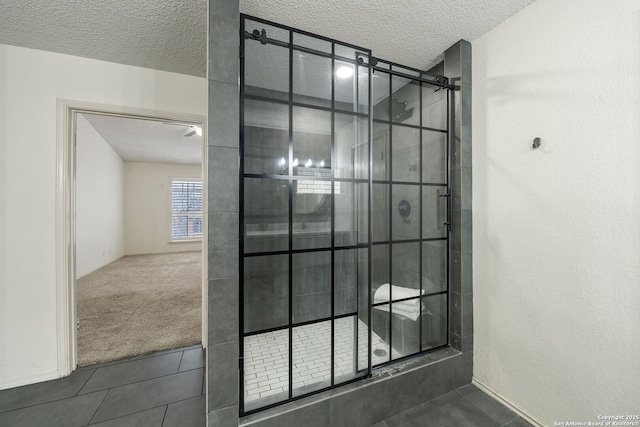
{"x":138,"y":240}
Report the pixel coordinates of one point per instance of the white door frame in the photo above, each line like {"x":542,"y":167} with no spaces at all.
{"x":67,"y":111}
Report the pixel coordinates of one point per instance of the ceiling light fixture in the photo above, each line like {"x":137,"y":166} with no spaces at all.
{"x":344,"y":72}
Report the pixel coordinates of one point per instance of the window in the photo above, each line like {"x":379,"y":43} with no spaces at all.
{"x":186,"y":210}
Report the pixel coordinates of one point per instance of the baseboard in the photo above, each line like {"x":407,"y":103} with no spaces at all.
{"x":29,"y":379}
{"x":506,"y":403}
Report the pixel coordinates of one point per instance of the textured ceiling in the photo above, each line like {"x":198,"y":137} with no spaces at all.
{"x":167,"y":35}
{"x":170,"y":35}
{"x":138,"y":140}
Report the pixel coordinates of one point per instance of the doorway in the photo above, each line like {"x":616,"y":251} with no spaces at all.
{"x":132,"y":249}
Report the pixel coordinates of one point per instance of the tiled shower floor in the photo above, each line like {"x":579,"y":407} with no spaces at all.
{"x":266,"y":373}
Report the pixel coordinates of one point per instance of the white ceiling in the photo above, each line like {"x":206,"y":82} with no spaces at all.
{"x":138,"y":140}
{"x":171,"y":35}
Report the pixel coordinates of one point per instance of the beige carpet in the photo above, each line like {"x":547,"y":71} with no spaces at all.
{"x":139,"y":304}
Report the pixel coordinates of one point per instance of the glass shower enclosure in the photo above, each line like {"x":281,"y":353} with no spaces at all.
{"x":343,"y":227}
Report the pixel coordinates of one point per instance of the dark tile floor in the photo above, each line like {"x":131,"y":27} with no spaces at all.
{"x":163,"y":389}
{"x":166,"y":389}
{"x":467,"y":406}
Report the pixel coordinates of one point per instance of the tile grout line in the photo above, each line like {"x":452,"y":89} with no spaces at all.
{"x":148,"y":379}
{"x":53,"y":400}
{"x":85,"y":383}
{"x":127,"y":415}
{"x":164,"y":415}
{"x":180,"y":363}
{"x":98,"y":407}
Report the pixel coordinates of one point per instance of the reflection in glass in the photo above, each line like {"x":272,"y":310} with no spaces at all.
{"x":406,"y":154}
{"x":352,"y":146}
{"x":266,"y":215}
{"x":406,"y":327}
{"x":380,"y":348}
{"x":405,"y":212}
{"x":434,"y":321}
{"x":380,"y":151}
{"x":311,"y":357}
{"x":380,"y":212}
{"x":266,"y":292}
{"x":434,"y":266}
{"x":351,"y":213}
{"x":434,"y":211}
{"x":265,"y":78}
{"x":434,"y":157}
{"x":405,"y":270}
{"x":311,"y":42}
{"x":311,"y":79}
{"x":266,"y":369}
{"x":348,"y":349}
{"x":266,"y":138}
{"x":404,"y":106}
{"x":380,"y":266}
{"x":311,"y":142}
{"x":311,"y":214}
{"x":311,"y":286}
{"x":434,"y":107}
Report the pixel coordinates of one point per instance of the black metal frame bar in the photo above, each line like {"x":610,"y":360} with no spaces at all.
{"x":392,"y":70}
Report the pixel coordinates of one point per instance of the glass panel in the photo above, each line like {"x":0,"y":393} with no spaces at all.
{"x":311,"y":142}
{"x":405,"y":324}
{"x":380,"y":96}
{"x":266,"y":137}
{"x":405,"y":212}
{"x":311,"y":79}
{"x":381,"y":212}
{"x":347,"y":349}
{"x":311,"y":357}
{"x":434,"y":266}
{"x":266,"y":369}
{"x":405,"y":270}
{"x":311,"y":42}
{"x":380,"y":273}
{"x":434,"y":157}
{"x":266,"y":215}
{"x":434,"y":107}
{"x":363,"y":90}
{"x":351,"y":93}
{"x":351,"y":213}
{"x":405,"y":102}
{"x":263,"y":70}
{"x":266,"y":292}
{"x":350,"y":273}
{"x":311,"y":286}
{"x":434,"y":321}
{"x":352,"y":146}
{"x":363,"y":341}
{"x":311,"y":214}
{"x":380,"y":337}
{"x":434,"y":209}
{"x":380,"y":152}
{"x":405,"y":154}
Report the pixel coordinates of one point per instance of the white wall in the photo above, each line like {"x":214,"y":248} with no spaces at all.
{"x":99,"y":201}
{"x":148,"y":209}
{"x":31,"y":81}
{"x":557,"y":229}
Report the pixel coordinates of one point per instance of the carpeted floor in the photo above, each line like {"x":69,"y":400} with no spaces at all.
{"x":139,"y":304}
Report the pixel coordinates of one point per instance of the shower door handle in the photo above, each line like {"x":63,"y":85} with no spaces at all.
{"x":447,"y":221}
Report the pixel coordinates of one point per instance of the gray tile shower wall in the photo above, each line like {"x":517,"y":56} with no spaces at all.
{"x":457,"y":67}
{"x":223,"y":204}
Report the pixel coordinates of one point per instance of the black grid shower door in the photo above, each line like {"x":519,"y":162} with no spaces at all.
{"x":306,"y":218}
{"x":344,"y":229}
